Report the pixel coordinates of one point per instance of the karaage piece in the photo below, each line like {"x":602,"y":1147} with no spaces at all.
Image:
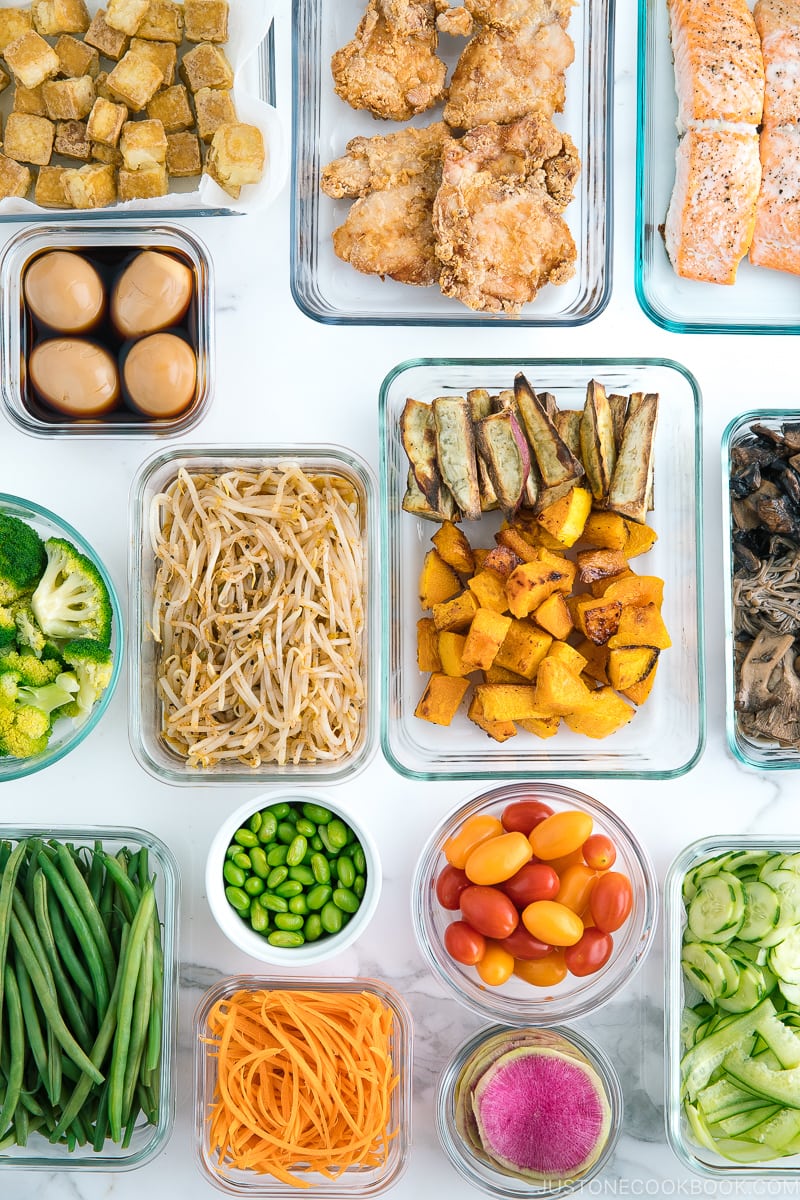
{"x":394,"y":180}
{"x":497,"y":216}
{"x":390,"y":67}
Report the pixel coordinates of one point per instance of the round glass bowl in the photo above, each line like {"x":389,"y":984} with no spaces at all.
{"x":67,"y":733}
{"x":480,"y":1173}
{"x":517,"y":1002}
{"x":239,"y":931}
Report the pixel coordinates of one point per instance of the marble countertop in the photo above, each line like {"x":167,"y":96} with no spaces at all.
{"x":282,"y":378}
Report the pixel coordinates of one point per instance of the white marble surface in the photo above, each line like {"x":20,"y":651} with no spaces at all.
{"x":280,"y":377}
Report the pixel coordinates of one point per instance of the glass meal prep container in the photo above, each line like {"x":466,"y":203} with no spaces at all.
{"x":147,"y":1141}
{"x":667,"y":734}
{"x":356,"y":1181}
{"x":102,"y":244}
{"x":332,"y":291}
{"x":145,"y":709}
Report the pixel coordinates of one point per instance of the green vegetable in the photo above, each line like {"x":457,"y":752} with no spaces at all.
{"x":93,"y":667}
{"x":22,"y":558}
{"x":71,"y":600}
{"x":27,"y":631}
{"x":8,"y":626}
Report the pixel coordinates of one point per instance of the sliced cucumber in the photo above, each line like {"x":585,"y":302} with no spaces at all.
{"x":703,"y":870}
{"x":791,"y":991}
{"x":751,"y":990}
{"x":773,"y":863}
{"x":699,"y":1063}
{"x":744,"y":860}
{"x":717,"y":911}
{"x":787,"y":885}
{"x":737,"y":1125}
{"x":784,"y":959}
{"x":781,"y":1086}
{"x":762,"y":911}
{"x":711,"y":970}
{"x":778,"y":1131}
{"x":724,"y":1099}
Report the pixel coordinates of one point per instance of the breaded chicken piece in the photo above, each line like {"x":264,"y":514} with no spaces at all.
{"x":390,"y":67}
{"x":497,"y":216}
{"x":389,"y":230}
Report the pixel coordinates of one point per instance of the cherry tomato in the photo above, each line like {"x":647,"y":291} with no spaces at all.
{"x":552,"y":923}
{"x":599,"y":852}
{"x":612,"y":901}
{"x":577,"y":885}
{"x":498,"y":859}
{"x":560,"y":865}
{"x":496,"y":966}
{"x":534,"y":881}
{"x":475,"y":830}
{"x":589,"y":954}
{"x":464,"y":944}
{"x":561,"y":834}
{"x":449,"y":886}
{"x":489,"y":911}
{"x":544,"y":972}
{"x":523,"y":945}
{"x":524,"y":815}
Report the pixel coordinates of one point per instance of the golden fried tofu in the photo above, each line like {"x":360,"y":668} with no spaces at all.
{"x":29,"y":100}
{"x":68,"y":99}
{"x":134,"y":80}
{"x":111,"y":43}
{"x":143,"y":144}
{"x":105,"y":122}
{"x":14,"y":178}
{"x":237,"y":157}
{"x":143,"y":184}
{"x":126,"y":15}
{"x":214,"y":107}
{"x":206,"y":20}
{"x":183,"y":155}
{"x":5,"y":79}
{"x":206,"y":66}
{"x":52,"y":17}
{"x":29,"y":139}
{"x":171,"y":107}
{"x":75,"y":58}
{"x":71,"y":140}
{"x":163,"y":54}
{"x":13,"y":23}
{"x":106,"y":154}
{"x":31,"y":59}
{"x":92,"y":186}
{"x":49,"y":191}
{"x":163,"y":22}
{"x":101,"y":87}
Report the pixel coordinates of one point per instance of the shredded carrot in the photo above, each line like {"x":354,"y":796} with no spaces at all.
{"x":304,"y":1083}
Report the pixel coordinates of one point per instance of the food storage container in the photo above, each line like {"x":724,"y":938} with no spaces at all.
{"x":145,"y":715}
{"x":700,"y":1158}
{"x":667,"y":734}
{"x":106,"y":245}
{"x":483,"y":1175}
{"x":67,"y":733}
{"x":356,"y":1181}
{"x":147,"y":1141}
{"x":517,"y":1002}
{"x":331,"y":291}
{"x":239,"y":930}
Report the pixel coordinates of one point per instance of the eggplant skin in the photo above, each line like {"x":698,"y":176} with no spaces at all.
{"x":455,"y":448}
{"x":504,"y":448}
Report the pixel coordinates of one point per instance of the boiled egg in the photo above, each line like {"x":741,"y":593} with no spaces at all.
{"x":153,"y":292}
{"x":160,"y":375}
{"x":64,"y":291}
{"x":74,"y":376}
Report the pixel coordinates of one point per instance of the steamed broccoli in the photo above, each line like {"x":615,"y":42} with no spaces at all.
{"x":22,"y":558}
{"x":8,"y":627}
{"x":26,"y":712}
{"x":29,"y":635}
{"x":33,"y":671}
{"x":71,"y":599}
{"x":93,"y":666}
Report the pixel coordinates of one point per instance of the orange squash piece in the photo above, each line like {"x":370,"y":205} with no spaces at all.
{"x":486,"y":635}
{"x":501,"y":731}
{"x":603,"y":714}
{"x":441,"y":698}
{"x":558,"y":689}
{"x":554,"y":616}
{"x":451,"y":650}
{"x":641,"y":626}
{"x":437,"y":581}
{"x":428,"y":646}
{"x":455,"y":614}
{"x":453,"y":548}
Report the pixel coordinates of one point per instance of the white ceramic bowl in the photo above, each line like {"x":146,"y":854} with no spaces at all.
{"x":256,"y":944}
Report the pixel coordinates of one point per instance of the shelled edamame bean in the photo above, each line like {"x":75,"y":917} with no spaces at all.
{"x":295,"y":872}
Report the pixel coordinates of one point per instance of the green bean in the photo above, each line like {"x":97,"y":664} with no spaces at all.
{"x":312,"y":928}
{"x":288,"y":921}
{"x":345,"y":871}
{"x":317,"y":814}
{"x":321,"y":868}
{"x":302,"y":875}
{"x":83,"y":897}
{"x":62,"y":984}
{"x":297,"y":849}
{"x":153,"y":1050}
{"x":97,"y":969}
{"x":95,"y":880}
{"x":285,"y":939}
{"x":16,"y":1039}
{"x":141,"y":1012}
{"x":269,"y":825}
{"x":346,"y":900}
{"x":30,"y":1018}
{"x":128,"y":970}
{"x":276,"y":877}
{"x":288,"y":889}
{"x":7,"y":886}
{"x":55,"y":1071}
{"x":5,"y":853}
{"x":23,"y":913}
{"x":35,"y":844}
{"x":101,"y":1125}
{"x":129,"y":893}
{"x":66,"y":950}
{"x":21,"y":1126}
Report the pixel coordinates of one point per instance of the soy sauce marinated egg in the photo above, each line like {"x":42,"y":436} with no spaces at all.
{"x":160,"y":375}
{"x":64,"y":291}
{"x":75,"y":377}
{"x":153,"y":292}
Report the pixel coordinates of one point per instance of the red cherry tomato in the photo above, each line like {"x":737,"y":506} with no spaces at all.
{"x":524,"y":945}
{"x":464,"y":944}
{"x":524,"y":815}
{"x":589,"y":954}
{"x":599,"y":852}
{"x":534,"y":881}
{"x":489,"y":911}
{"x":449,"y":886}
{"x":612,"y":901}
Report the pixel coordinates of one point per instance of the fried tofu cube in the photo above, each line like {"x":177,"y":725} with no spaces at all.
{"x":143,"y":144}
{"x":106,"y":154}
{"x":135,"y":80}
{"x":206,"y":66}
{"x":31,"y":59}
{"x":13,"y":23}
{"x":171,"y":107}
{"x":29,"y":100}
{"x":105,"y":121}
{"x":68,"y":99}
{"x":183,"y":155}
{"x":111,"y":43}
{"x":75,"y":58}
{"x":206,"y":20}
{"x":71,"y":140}
{"x":101,"y":87}
{"x":49,"y":191}
{"x":29,"y":139}
{"x":5,"y":79}
{"x":52,"y":17}
{"x":163,"y":22}
{"x":126,"y":15}
{"x":163,"y":54}
{"x":92,"y":186}
{"x":15,"y":179}
{"x":214,"y":107}
{"x":143,"y":184}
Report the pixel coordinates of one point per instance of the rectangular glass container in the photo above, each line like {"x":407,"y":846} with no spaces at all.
{"x":667,"y":734}
{"x":360,"y":1182}
{"x":144,"y":705}
{"x":699,"y":1158}
{"x":148,"y":1140}
{"x":28,"y":244}
{"x":331,"y":291}
{"x":761,"y":301}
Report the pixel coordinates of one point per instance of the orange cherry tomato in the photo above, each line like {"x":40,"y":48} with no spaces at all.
{"x":498,"y":859}
{"x":464,"y":944}
{"x":489,"y":911}
{"x":475,"y":830}
{"x":534,"y":881}
{"x":560,"y":865}
{"x":450,"y":883}
{"x":543,"y":972}
{"x":561,"y":834}
{"x":599,"y":852}
{"x":577,"y":884}
{"x":523,"y":945}
{"x":496,"y":966}
{"x":524,"y":815}
{"x":589,"y":954}
{"x":612,"y":901}
{"x":552,"y":923}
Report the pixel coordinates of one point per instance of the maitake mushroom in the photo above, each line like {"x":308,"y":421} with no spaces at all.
{"x":769,"y":689}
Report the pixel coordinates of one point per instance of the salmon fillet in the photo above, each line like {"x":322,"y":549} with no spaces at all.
{"x":711,"y":214}
{"x":776,"y":240}
{"x":778,"y":24}
{"x":719,"y":70}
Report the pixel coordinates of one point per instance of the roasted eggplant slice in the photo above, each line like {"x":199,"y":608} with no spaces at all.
{"x":598,"y":448}
{"x":455,"y":450}
{"x":631,"y":480}
{"x":418,"y":433}
{"x":503,"y":447}
{"x":556,"y":462}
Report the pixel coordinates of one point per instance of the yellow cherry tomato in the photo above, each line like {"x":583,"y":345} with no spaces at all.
{"x":560,"y":834}
{"x":552,"y":923}
{"x":498,"y":859}
{"x":560,"y":865}
{"x":496,"y":966}
{"x":577,"y":884}
{"x":542,"y":972}
{"x":475,"y":830}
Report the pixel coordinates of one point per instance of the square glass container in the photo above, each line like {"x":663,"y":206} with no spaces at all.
{"x":102,"y":238}
{"x":761,"y":301}
{"x":667,"y":735}
{"x":698,"y":1158}
{"x":331,"y":291}
{"x":148,"y":1140}
{"x":148,"y":745}
{"x":358,"y":1182}
{"x":764,"y":755}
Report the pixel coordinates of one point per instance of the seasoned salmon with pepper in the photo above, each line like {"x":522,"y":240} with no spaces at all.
{"x":778,"y":25}
{"x":719,"y":70}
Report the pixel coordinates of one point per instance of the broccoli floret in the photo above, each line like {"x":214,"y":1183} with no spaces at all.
{"x":24,"y":730}
{"x":33,"y":671}
{"x":53,"y":695}
{"x":93,"y":666}
{"x":29,"y":635}
{"x":8,"y":627}
{"x":71,"y":600}
{"x":22,"y":558}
